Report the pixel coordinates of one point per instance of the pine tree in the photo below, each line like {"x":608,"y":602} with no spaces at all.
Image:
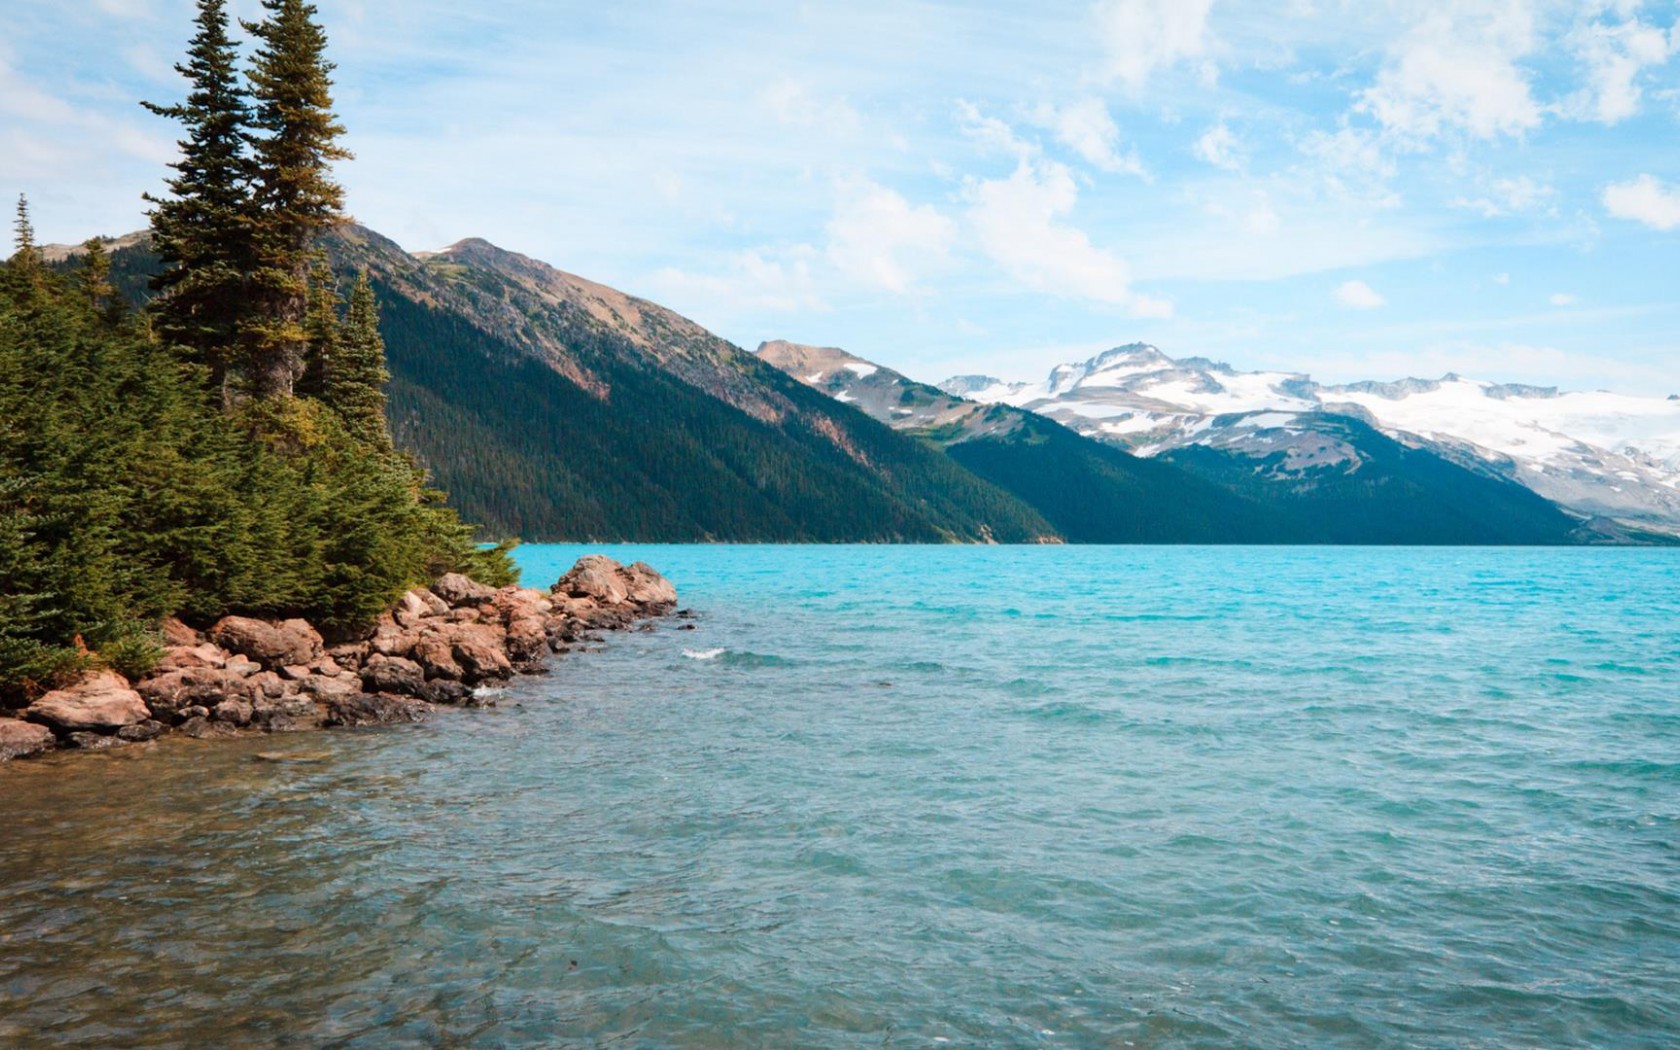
{"x":356,"y":379}
{"x":321,"y":325}
{"x":297,"y":197}
{"x":94,"y":277}
{"x":26,"y":261}
{"x":202,"y":230}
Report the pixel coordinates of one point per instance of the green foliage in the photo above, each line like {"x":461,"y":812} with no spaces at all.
{"x":127,"y":495}
{"x":295,"y":197}
{"x":356,"y":377}
{"x":202,"y":229}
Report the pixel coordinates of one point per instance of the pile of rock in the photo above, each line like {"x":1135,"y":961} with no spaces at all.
{"x":439,"y":645}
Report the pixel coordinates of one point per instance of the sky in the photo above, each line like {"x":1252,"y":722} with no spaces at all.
{"x":1357,"y":190}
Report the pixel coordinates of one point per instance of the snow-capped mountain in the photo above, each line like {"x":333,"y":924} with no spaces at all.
{"x":1597,"y":453}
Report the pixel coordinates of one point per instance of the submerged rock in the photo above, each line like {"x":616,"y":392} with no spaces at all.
{"x":102,"y":700}
{"x":377,"y":709}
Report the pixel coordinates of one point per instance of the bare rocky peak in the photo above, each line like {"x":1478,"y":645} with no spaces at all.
{"x":54,"y":253}
{"x":799,"y":359}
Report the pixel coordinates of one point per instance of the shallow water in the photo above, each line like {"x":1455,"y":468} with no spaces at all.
{"x":1159,"y":797}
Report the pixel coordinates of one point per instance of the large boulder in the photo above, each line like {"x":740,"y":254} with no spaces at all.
{"x":23,"y":739}
{"x":290,"y":714}
{"x":648,"y":588}
{"x":465,"y":652}
{"x":459,"y":590}
{"x":101,"y":700}
{"x":273,"y":645}
{"x":594,"y":576}
{"x":393,"y":674}
{"x":170,"y":694}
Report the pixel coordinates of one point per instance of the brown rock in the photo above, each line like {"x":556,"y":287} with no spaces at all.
{"x":527,"y":638}
{"x":271,"y":644}
{"x":178,"y":635}
{"x":234,"y":712}
{"x":361,"y":709}
{"x":459,"y":590}
{"x":323,"y":688}
{"x":242,"y":666}
{"x":594,"y":576}
{"x":182,"y":657}
{"x":199,"y":727}
{"x":393,"y":674}
{"x":102,"y":700}
{"x":170,"y":694}
{"x":84,"y":740}
{"x":23,"y":739}
{"x":290,"y":714}
{"x":465,"y":614}
{"x":350,"y":655}
{"x":467,"y":652}
{"x":295,"y":672}
{"x":268,"y":684}
{"x":648,"y":588}
{"x":141,"y":732}
{"x":327,"y":667}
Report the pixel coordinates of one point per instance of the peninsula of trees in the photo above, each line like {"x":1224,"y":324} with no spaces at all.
{"x":223,"y":450}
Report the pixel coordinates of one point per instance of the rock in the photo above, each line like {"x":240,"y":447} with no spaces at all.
{"x":23,"y":739}
{"x":327,"y":667}
{"x":201,"y":728}
{"x":323,"y":688}
{"x":350,"y":655}
{"x":84,"y":740}
{"x":527,"y":638}
{"x":465,"y":614}
{"x":295,"y":672}
{"x":102,"y":700}
{"x":183,"y":657}
{"x":234,"y":712}
{"x":362,"y":709}
{"x":291,"y":714}
{"x":649,"y":589}
{"x":517,"y":603}
{"x":594,"y":576}
{"x":444,"y":691}
{"x":241,"y":666}
{"x":268,"y":684}
{"x":178,"y":635}
{"x":169,"y":694}
{"x":141,"y":732}
{"x":273,"y":645}
{"x":195,"y":711}
{"x":458,"y":590}
{"x":435,"y":606}
{"x":466,"y":652}
{"x":393,"y":674}
{"x":410,"y":610}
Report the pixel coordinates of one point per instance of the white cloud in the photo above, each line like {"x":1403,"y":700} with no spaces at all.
{"x":1501,"y":278}
{"x":759,"y":279}
{"x":1220,"y":148}
{"x":1615,"y":56}
{"x":878,"y":238}
{"x":1352,"y":165}
{"x":1141,"y":36}
{"x":1087,"y":128}
{"x":1644,"y":200}
{"x":1503,"y":197}
{"x":1017,"y":222}
{"x":793,"y":105}
{"x":991,"y":132}
{"x":1358,"y":295}
{"x":1562,"y":299}
{"x":1457,"y":69}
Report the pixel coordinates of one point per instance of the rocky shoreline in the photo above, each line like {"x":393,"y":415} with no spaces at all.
{"x":438,"y":645}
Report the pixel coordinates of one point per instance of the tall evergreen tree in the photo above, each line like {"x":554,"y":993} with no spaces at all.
{"x":26,"y":261}
{"x":357,"y":374}
{"x":94,"y":277}
{"x":321,"y":327}
{"x":298,"y":200}
{"x":202,"y":230}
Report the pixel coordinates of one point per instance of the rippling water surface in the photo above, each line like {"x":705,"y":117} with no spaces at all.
{"x":1079,"y":797}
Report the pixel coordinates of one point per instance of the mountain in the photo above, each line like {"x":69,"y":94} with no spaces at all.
{"x":1091,"y":492}
{"x":1602,"y":456}
{"x":554,"y":408}
{"x":1324,"y":478}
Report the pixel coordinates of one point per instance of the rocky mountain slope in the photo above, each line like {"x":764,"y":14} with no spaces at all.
{"x":1345,"y":483}
{"x":553,"y":408}
{"x":1600,"y":455}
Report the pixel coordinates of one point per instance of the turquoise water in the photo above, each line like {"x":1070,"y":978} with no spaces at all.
{"x":1036,"y":797}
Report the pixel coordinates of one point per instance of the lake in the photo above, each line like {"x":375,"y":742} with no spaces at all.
{"x":917,"y":797}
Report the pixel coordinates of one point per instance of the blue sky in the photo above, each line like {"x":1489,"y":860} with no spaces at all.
{"x":1357,"y":190}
